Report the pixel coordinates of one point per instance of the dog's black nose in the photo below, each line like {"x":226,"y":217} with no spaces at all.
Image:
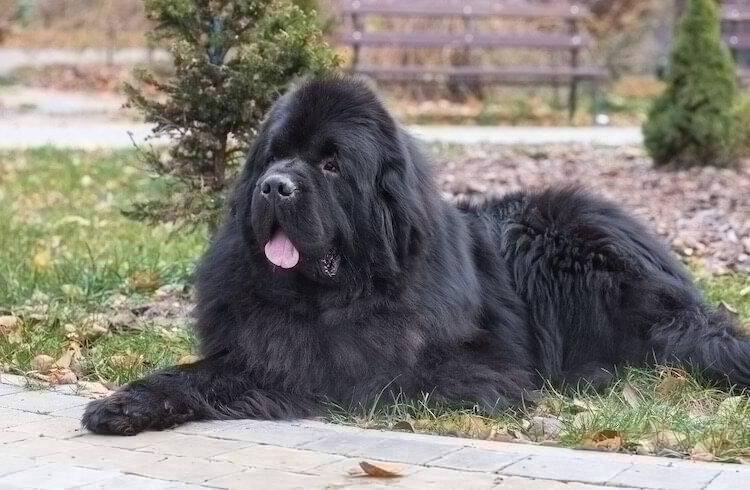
{"x":277,"y":185}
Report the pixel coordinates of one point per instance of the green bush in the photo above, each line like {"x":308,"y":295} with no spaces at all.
{"x":742,"y":116}
{"x":693,"y":122}
{"x":231,"y":59}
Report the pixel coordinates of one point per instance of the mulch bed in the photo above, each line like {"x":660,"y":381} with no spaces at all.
{"x":704,"y":213}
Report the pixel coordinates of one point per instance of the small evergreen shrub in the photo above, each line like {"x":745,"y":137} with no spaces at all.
{"x":693,"y":123}
{"x":231,"y":59}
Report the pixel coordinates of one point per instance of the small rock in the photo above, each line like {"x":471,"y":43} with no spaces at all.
{"x":189,"y":359}
{"x":544,"y":428}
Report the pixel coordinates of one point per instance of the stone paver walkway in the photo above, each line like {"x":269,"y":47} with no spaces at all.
{"x":42,"y":446}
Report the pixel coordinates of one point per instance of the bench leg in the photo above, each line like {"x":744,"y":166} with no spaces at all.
{"x":573,"y":99}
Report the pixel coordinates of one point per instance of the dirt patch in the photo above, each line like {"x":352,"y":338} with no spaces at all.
{"x":703,"y":213}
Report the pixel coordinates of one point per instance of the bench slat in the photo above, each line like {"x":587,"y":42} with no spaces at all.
{"x":430,"y":73}
{"x":452,"y":8}
{"x":737,"y":41}
{"x":460,"y":40}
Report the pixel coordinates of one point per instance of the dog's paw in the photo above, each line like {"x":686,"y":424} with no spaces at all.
{"x":130,"y":411}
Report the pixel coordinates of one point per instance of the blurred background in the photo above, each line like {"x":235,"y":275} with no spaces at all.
{"x":504,"y":62}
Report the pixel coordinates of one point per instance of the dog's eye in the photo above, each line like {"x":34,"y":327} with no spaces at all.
{"x":330,"y":165}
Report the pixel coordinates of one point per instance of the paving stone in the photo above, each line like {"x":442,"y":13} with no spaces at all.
{"x":208,"y":427}
{"x":730,"y":480}
{"x":11,"y":436}
{"x":40,"y":446}
{"x":72,"y":412}
{"x":441,"y":478}
{"x":413,"y":452}
{"x":349,"y":466}
{"x":139,"y":483}
{"x":346,"y":444}
{"x":12,"y":464}
{"x":136,"y":442}
{"x":105,"y":458}
{"x":11,"y":418}
{"x":9,"y":389}
{"x":280,"y":458}
{"x":40,"y":401}
{"x":13,"y":380}
{"x":187,"y":470}
{"x":473,"y":459}
{"x":276,"y":433}
{"x":553,"y":467}
{"x":54,"y":477}
{"x":664,"y":477}
{"x":195,"y":446}
{"x":273,"y":479}
{"x":515,"y":483}
{"x":57,"y":427}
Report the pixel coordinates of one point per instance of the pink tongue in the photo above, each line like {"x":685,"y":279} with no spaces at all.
{"x":281,"y":252}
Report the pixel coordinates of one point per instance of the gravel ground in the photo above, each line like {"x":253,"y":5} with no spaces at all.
{"x":703,"y":213}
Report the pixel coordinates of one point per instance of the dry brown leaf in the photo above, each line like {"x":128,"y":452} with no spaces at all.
{"x":189,"y":359}
{"x":127,"y":360}
{"x":71,"y":356}
{"x":8,"y":325}
{"x":671,"y":382}
{"x":631,"y":396}
{"x":42,"y":363}
{"x":604,"y":440}
{"x":144,"y":281}
{"x":374,"y":471}
{"x":63,"y":376}
{"x":669,"y":439}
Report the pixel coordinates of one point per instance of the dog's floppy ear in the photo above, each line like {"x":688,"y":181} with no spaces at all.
{"x":403,"y":190}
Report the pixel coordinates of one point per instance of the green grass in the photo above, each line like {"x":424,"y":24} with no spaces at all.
{"x":67,"y":253}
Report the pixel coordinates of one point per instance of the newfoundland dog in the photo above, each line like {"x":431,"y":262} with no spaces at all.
{"x":340,"y":274}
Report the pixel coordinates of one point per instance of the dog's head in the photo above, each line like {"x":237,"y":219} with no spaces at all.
{"x":333,"y":191}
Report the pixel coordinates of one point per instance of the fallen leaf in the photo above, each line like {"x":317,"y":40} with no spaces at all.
{"x":730,"y":406}
{"x":669,"y":439}
{"x":71,"y":291}
{"x":583,"y":406}
{"x":72,"y":353}
{"x":8,"y":325}
{"x":40,"y":260}
{"x":631,"y":395}
{"x":604,"y":440}
{"x":727,"y":307}
{"x":189,"y":359}
{"x":671,"y":382}
{"x":374,"y":471}
{"x":42,"y":363}
{"x":583,"y":420}
{"x":144,"y":281}
{"x":403,"y":425}
{"x":127,"y":360}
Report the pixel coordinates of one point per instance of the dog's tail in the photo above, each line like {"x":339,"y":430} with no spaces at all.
{"x":709,"y":340}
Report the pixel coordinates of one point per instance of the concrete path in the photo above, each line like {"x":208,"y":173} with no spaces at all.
{"x":42,"y":446}
{"x":13,"y":58}
{"x":33,"y":131}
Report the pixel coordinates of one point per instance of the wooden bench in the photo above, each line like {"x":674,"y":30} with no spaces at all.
{"x":565,"y":38}
{"x":735,"y":17}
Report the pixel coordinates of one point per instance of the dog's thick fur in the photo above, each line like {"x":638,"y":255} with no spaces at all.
{"x":396,"y":288}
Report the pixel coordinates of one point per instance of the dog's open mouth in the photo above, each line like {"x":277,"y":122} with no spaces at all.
{"x":280,"y":250}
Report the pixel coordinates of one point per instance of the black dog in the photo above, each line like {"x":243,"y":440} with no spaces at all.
{"x":340,"y":272}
